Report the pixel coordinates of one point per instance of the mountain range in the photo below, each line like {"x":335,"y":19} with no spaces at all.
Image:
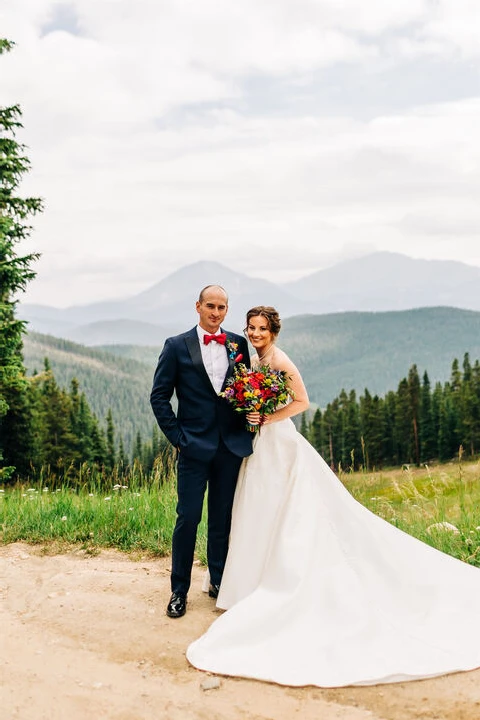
{"x":378,"y":282}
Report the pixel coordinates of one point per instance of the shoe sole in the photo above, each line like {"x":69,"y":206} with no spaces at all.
{"x":175,"y":615}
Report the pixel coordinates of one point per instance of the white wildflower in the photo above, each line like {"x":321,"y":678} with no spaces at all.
{"x":64,"y":518}
{"x":107,"y":498}
{"x":444,"y":526}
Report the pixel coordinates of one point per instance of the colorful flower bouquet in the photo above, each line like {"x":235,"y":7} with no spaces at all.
{"x":261,"y":389}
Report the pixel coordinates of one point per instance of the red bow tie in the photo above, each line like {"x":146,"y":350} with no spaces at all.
{"x":220,"y":338}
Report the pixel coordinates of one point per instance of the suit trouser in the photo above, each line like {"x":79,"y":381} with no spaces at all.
{"x":193,"y":476}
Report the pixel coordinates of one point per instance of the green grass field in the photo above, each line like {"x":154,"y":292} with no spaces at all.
{"x":139,"y":516}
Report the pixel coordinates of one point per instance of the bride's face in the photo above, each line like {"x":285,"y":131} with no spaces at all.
{"x":259,"y":333}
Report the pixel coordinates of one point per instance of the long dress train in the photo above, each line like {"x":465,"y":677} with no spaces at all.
{"x":320,"y":591}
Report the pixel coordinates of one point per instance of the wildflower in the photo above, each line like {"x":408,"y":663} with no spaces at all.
{"x":64,"y":518}
{"x":107,"y":498}
{"x":45,"y":489}
{"x":444,"y":526}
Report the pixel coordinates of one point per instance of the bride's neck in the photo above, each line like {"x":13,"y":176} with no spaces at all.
{"x":263,"y":355}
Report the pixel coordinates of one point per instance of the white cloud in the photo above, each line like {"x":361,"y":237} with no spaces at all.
{"x":164,"y":133}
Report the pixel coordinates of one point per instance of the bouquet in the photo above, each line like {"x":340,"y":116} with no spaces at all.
{"x":261,"y":389}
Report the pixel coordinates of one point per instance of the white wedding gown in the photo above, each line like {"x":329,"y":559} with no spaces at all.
{"x":320,"y":591}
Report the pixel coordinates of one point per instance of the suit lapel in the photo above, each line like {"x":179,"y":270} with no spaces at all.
{"x":193,"y":346}
{"x":231,"y":362}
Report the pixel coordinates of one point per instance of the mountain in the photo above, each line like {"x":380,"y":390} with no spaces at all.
{"x":389,"y":281}
{"x":354,"y":350}
{"x":113,"y":332}
{"x":169,"y":304}
{"x":376,"y":282}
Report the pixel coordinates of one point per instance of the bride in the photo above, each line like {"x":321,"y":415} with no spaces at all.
{"x":319,"y":590}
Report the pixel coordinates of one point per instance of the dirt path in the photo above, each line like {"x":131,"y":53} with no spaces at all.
{"x":87,"y":638}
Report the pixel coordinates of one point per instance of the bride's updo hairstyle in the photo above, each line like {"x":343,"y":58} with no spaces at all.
{"x":271,"y":316}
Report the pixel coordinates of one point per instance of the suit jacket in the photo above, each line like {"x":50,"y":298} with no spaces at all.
{"x":202,"y":416}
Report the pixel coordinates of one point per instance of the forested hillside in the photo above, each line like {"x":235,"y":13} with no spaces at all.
{"x":108,"y":381}
{"x":365,"y":354}
{"x":354,"y":351}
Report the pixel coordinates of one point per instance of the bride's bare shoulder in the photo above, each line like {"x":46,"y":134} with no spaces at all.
{"x":281,"y":361}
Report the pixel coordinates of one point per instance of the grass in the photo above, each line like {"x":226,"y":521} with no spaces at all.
{"x":140,"y":516}
{"x":437,"y":504}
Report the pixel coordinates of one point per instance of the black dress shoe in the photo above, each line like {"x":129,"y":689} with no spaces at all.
{"x":177,"y":606}
{"x":213,"y":590}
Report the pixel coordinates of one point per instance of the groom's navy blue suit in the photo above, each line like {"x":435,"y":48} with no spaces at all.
{"x":211,"y":439}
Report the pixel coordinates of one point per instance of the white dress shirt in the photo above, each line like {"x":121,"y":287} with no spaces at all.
{"x":215,"y":359}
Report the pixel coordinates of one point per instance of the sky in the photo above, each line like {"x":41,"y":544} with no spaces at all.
{"x":276,"y":137}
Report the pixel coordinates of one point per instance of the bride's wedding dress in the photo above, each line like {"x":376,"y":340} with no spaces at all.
{"x":320,"y":591}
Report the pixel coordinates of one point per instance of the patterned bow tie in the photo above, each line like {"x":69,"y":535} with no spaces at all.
{"x":221,"y":338}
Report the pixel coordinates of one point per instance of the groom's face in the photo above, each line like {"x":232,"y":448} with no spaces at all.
{"x":212,"y":309}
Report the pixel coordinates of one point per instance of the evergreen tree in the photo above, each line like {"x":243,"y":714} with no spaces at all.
{"x":372,"y":430}
{"x":58,"y":441}
{"x":122,"y":459}
{"x":414,"y":413}
{"x":138,"y":449}
{"x":316,"y":431}
{"x":351,"y":439}
{"x":330,"y":424}
{"x":15,"y":272}
{"x":455,"y":406}
{"x":427,"y":426}
{"x":469,"y":421}
{"x":110,"y":457}
{"x":304,"y":425}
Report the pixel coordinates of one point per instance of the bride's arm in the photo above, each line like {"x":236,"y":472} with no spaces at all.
{"x":299,"y":402}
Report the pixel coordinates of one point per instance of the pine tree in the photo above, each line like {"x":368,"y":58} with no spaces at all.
{"x":15,"y":272}
{"x":110,"y":457}
{"x":58,"y":441}
{"x":372,"y":430}
{"x":304,"y":425}
{"x":316,"y":432}
{"x":414,"y":412}
{"x":427,"y":427}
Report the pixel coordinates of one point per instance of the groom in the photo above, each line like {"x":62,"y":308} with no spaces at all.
{"x":210,"y":437}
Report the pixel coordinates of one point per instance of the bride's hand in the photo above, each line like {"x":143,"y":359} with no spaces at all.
{"x":254,"y":418}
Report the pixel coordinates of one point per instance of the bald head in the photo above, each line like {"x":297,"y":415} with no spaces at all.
{"x":216,"y":288}
{"x":212,"y":306}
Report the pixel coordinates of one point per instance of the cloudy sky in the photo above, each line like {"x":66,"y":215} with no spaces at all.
{"x":277,"y":137}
